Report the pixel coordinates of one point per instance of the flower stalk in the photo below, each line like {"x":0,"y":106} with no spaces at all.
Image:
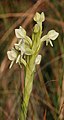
{"x":26,"y":52}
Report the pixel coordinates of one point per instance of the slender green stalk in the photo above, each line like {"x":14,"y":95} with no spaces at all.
{"x":27,"y":91}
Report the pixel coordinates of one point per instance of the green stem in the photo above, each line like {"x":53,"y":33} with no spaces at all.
{"x":28,"y":87}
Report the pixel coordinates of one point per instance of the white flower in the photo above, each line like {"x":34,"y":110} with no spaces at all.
{"x":21,"y":35}
{"x":51,"y":36}
{"x":38,"y":59}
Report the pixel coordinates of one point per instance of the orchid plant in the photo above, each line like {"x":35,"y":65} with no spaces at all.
{"x":26,"y":52}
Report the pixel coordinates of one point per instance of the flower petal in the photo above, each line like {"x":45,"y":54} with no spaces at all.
{"x":52,"y":34}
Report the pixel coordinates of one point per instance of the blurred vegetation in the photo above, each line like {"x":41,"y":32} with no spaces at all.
{"x":47,"y":98}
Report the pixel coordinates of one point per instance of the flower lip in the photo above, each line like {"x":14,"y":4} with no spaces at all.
{"x":51,"y":35}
